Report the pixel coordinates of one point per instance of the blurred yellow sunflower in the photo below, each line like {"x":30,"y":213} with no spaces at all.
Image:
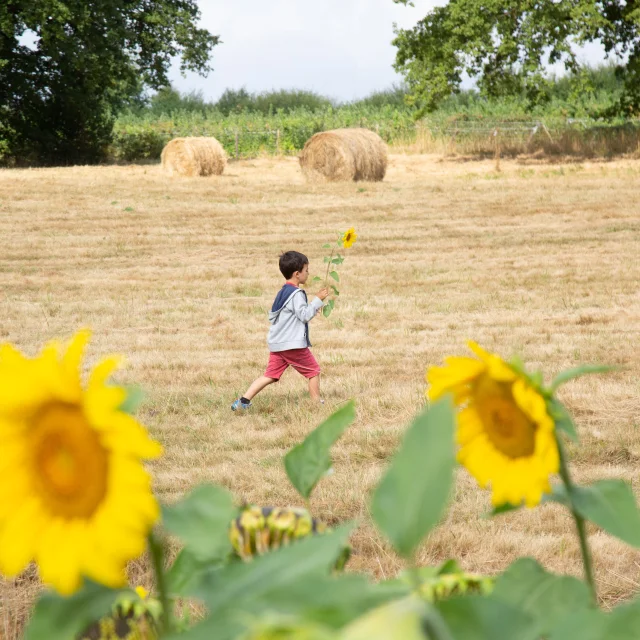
{"x":74,"y":496}
{"x":141,"y":592}
{"x":506,"y":436}
{"x":349,"y":238}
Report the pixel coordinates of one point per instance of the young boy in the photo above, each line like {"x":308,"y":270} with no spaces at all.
{"x":289,"y":332}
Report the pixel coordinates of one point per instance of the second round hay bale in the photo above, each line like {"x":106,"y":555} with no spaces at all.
{"x":194,"y":157}
{"x":343,"y":155}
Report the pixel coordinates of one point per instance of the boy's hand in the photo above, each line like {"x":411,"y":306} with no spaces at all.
{"x":323,"y":294}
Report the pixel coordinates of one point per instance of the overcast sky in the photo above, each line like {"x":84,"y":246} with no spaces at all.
{"x":339,"y":48}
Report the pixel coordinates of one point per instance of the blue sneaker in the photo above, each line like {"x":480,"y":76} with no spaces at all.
{"x":240,"y":406}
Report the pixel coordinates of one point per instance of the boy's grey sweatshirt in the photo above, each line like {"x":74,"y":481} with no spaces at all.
{"x":289,"y":318}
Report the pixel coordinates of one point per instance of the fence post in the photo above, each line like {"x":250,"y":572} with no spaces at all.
{"x":544,"y":126}
{"x":496,"y":140}
{"x":237,"y":144}
{"x":278,"y":141}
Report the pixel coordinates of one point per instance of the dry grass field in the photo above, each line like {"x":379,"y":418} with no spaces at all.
{"x":178,"y":274}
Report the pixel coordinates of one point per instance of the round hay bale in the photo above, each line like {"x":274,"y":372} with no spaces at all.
{"x":344,"y":154}
{"x":194,"y":157}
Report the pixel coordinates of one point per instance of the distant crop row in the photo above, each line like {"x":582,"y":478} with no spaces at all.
{"x":248,"y":134}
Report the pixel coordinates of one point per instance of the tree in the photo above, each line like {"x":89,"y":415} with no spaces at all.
{"x":286,"y":100}
{"x":169,"y":100}
{"x":395,"y":96}
{"x":68,"y":66}
{"x":234,"y":101}
{"x":506,"y":46}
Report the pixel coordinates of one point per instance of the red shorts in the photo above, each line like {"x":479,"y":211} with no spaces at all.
{"x":302,"y":360}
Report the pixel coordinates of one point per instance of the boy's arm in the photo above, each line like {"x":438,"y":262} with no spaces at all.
{"x":305,"y":312}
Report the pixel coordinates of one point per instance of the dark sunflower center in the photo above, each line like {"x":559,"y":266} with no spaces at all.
{"x":506,"y":425}
{"x":70,"y":466}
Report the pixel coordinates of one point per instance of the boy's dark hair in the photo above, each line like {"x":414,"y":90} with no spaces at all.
{"x":292,"y":261}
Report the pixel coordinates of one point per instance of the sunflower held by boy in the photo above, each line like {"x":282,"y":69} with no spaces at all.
{"x":349,"y":238}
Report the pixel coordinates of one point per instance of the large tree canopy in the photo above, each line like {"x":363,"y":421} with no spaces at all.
{"x":67,"y":66}
{"x":506,"y":45}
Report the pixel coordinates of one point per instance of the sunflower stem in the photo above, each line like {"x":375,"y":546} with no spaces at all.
{"x":435,"y":626}
{"x":326,"y":277}
{"x":580,"y":524}
{"x":156,"y":549}
{"x":414,"y":574}
{"x":433,"y":622}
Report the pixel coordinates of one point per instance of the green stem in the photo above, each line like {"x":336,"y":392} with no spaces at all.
{"x":580,"y":524}
{"x":326,"y":277}
{"x":156,"y":549}
{"x":414,"y":575}
{"x":434,"y":625}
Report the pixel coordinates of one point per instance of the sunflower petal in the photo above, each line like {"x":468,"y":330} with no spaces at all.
{"x":532,"y":404}
{"x":498,"y":369}
{"x":18,"y":538}
{"x":22,"y":387}
{"x":104,"y":369}
{"x":72,"y":358}
{"x":59,"y":556}
{"x":126,"y":435}
{"x":457,"y":372}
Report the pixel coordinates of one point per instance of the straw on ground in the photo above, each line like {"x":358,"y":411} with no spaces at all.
{"x":179,"y":276}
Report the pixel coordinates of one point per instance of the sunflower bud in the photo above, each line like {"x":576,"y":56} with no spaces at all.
{"x":258,"y":530}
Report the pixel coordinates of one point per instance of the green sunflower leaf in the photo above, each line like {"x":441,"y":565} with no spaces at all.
{"x":611,"y":505}
{"x":557,"y":495}
{"x":546,"y":597}
{"x":562,"y":418}
{"x":316,"y":279}
{"x":415,"y":490}
{"x":507,"y":507}
{"x":478,"y":618}
{"x":586,"y":625}
{"x":201,"y":520}
{"x":449,"y":566}
{"x":406,"y":619}
{"x":135,"y":397}
{"x":293,"y":580}
{"x":536,"y":378}
{"x":327,"y":246}
{"x":185,"y":573}
{"x":620,"y":624}
{"x":572,"y":374}
{"x":335,"y":276}
{"x":58,"y":618}
{"x":335,"y":291}
{"x":328,"y":308}
{"x":306,"y":463}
